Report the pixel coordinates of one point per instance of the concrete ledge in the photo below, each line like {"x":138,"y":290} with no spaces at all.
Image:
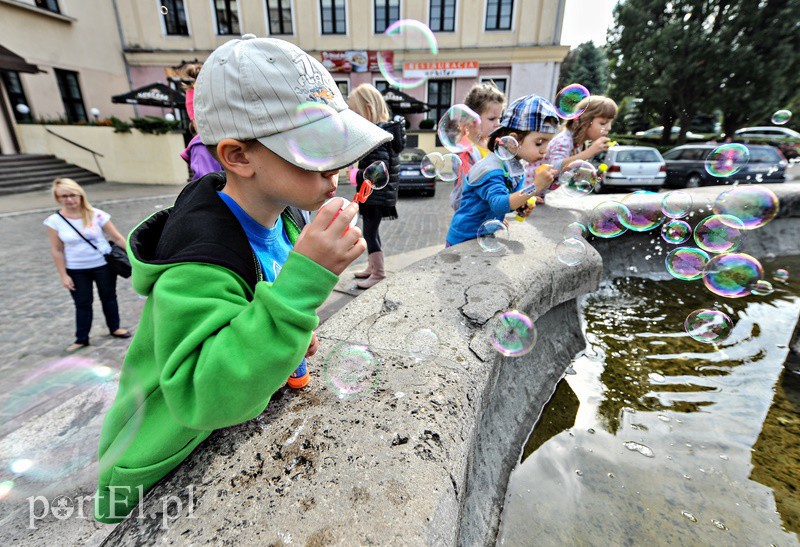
{"x":424,"y":457}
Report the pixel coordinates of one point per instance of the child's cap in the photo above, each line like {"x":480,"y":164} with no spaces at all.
{"x":251,"y":89}
{"x":531,"y":113}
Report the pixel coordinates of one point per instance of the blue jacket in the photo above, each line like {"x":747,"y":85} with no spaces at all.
{"x":484,"y":197}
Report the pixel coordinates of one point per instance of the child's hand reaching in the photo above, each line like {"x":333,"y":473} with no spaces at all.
{"x":329,"y":241}
{"x":313,"y":346}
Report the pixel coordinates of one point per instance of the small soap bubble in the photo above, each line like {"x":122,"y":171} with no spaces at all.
{"x":645,"y":209}
{"x":676,"y":204}
{"x":506,"y":147}
{"x":349,"y":370}
{"x":719,"y":233}
{"x":762,"y":287}
{"x":754,"y":206}
{"x":732,"y":275}
{"x":320,"y":147}
{"x":726,"y":160}
{"x":422,"y":345}
{"x":449,"y":168}
{"x":164,"y":10}
{"x":430,"y":163}
{"x":513,"y":333}
{"x":781,"y":117}
{"x":579,"y":178}
{"x":676,"y":231}
{"x":568,"y":99}
{"x":574,"y":229}
{"x":708,"y":325}
{"x":686,"y":263}
{"x":781,"y":274}
{"x":493,"y":236}
{"x":609,"y":219}
{"x":571,"y":251}
{"x":377,"y":173}
{"x":406,"y":35}
{"x":459,"y":129}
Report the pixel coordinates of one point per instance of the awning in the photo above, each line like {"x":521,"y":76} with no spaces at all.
{"x":11,"y":61}
{"x":156,"y":94}
{"x":402,"y":103}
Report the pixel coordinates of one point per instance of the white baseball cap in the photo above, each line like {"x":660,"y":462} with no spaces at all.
{"x":261,"y":88}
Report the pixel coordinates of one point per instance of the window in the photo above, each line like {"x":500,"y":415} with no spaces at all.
{"x":386,"y":13}
{"x":500,"y":82}
{"x":442,"y":16}
{"x":227,"y":13}
{"x":280,"y":16}
{"x":498,"y":14}
{"x":638,"y":156}
{"x":672,"y":154}
{"x":71,"y":95}
{"x":344,"y":87}
{"x":333,"y":17}
{"x":49,"y":5}
{"x":16,"y":95}
{"x":175,"y":18}
{"x":381,"y":85}
{"x":440,"y":97}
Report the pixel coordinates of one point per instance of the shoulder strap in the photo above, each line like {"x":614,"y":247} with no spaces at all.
{"x":78,"y":232}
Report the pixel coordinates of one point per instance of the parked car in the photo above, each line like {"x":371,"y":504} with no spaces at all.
{"x":632,"y":167}
{"x":654,"y":132}
{"x":785,"y":139}
{"x":686,"y":166}
{"x":411,"y":178}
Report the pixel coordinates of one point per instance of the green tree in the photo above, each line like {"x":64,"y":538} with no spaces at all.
{"x":586,"y":65}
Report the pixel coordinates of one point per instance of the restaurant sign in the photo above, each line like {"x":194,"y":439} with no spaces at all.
{"x":441,"y":69}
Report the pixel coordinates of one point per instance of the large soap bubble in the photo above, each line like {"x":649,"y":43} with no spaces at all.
{"x":513,"y":333}
{"x":578,"y":178}
{"x":676,"y":204}
{"x":754,"y":206}
{"x":407,"y":35}
{"x":732,"y":275}
{"x":567,"y":101}
{"x":727,"y":160}
{"x":686,"y":263}
{"x":719,"y":233}
{"x":459,"y":128}
{"x":645,"y":209}
{"x":609,"y":219}
{"x":708,"y":325}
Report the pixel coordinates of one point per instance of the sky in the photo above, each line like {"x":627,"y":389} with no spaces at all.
{"x":586,"y":20}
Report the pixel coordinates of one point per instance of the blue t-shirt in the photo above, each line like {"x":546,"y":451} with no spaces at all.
{"x":271,"y":245}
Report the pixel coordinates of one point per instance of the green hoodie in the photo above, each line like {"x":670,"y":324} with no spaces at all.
{"x":214,"y":342}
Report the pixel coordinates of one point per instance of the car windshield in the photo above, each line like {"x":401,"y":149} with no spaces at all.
{"x":411,"y":156}
{"x":637,"y":156}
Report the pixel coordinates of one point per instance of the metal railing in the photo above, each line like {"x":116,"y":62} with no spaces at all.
{"x":94,"y":154}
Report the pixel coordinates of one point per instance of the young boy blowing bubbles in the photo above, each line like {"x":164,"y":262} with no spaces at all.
{"x":215,"y":340}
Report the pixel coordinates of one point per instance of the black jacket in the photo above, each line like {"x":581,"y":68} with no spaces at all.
{"x":387,"y":153}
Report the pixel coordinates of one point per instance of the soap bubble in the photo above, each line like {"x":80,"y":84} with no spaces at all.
{"x":686,"y":263}
{"x":407,"y":35}
{"x":578,"y":178}
{"x":319,"y":150}
{"x":727,"y":160}
{"x":754,"y":206}
{"x":645,"y":209}
{"x":449,"y":168}
{"x":493,"y":236}
{"x":676,"y":231}
{"x":68,"y":456}
{"x":513,"y":333}
{"x":506,"y":147}
{"x":429,"y":164}
{"x":708,"y":325}
{"x":349,"y":370}
{"x":377,"y":174}
{"x":719,"y":233}
{"x":574,"y":229}
{"x":571,"y":251}
{"x":781,"y":275}
{"x":422,"y":345}
{"x":567,"y":101}
{"x":164,"y":10}
{"x":781,"y":117}
{"x":676,"y":204}
{"x":732,"y":274}
{"x":762,"y":287}
{"x":459,"y":129}
{"x":609,"y":219}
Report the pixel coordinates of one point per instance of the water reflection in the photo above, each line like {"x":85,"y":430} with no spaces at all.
{"x":667,"y":426}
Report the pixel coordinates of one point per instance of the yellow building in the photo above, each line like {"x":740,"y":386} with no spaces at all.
{"x":512,"y":42}
{"x":59,"y":59}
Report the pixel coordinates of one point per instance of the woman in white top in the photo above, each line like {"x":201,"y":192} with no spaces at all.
{"x":78,"y":263}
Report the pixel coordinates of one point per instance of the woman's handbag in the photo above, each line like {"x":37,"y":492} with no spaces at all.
{"x":117,"y":259}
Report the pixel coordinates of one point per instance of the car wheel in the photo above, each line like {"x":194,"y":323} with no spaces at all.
{"x":693,"y":181}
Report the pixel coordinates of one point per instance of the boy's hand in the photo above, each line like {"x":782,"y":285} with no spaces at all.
{"x":329,"y":241}
{"x":598,"y":146}
{"x":313,"y":346}
{"x":543,"y":179}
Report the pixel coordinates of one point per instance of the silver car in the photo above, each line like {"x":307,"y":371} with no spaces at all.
{"x":632,"y":167}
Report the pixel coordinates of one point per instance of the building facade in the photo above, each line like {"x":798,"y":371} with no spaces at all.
{"x":511,"y":42}
{"x":76,"y":53}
